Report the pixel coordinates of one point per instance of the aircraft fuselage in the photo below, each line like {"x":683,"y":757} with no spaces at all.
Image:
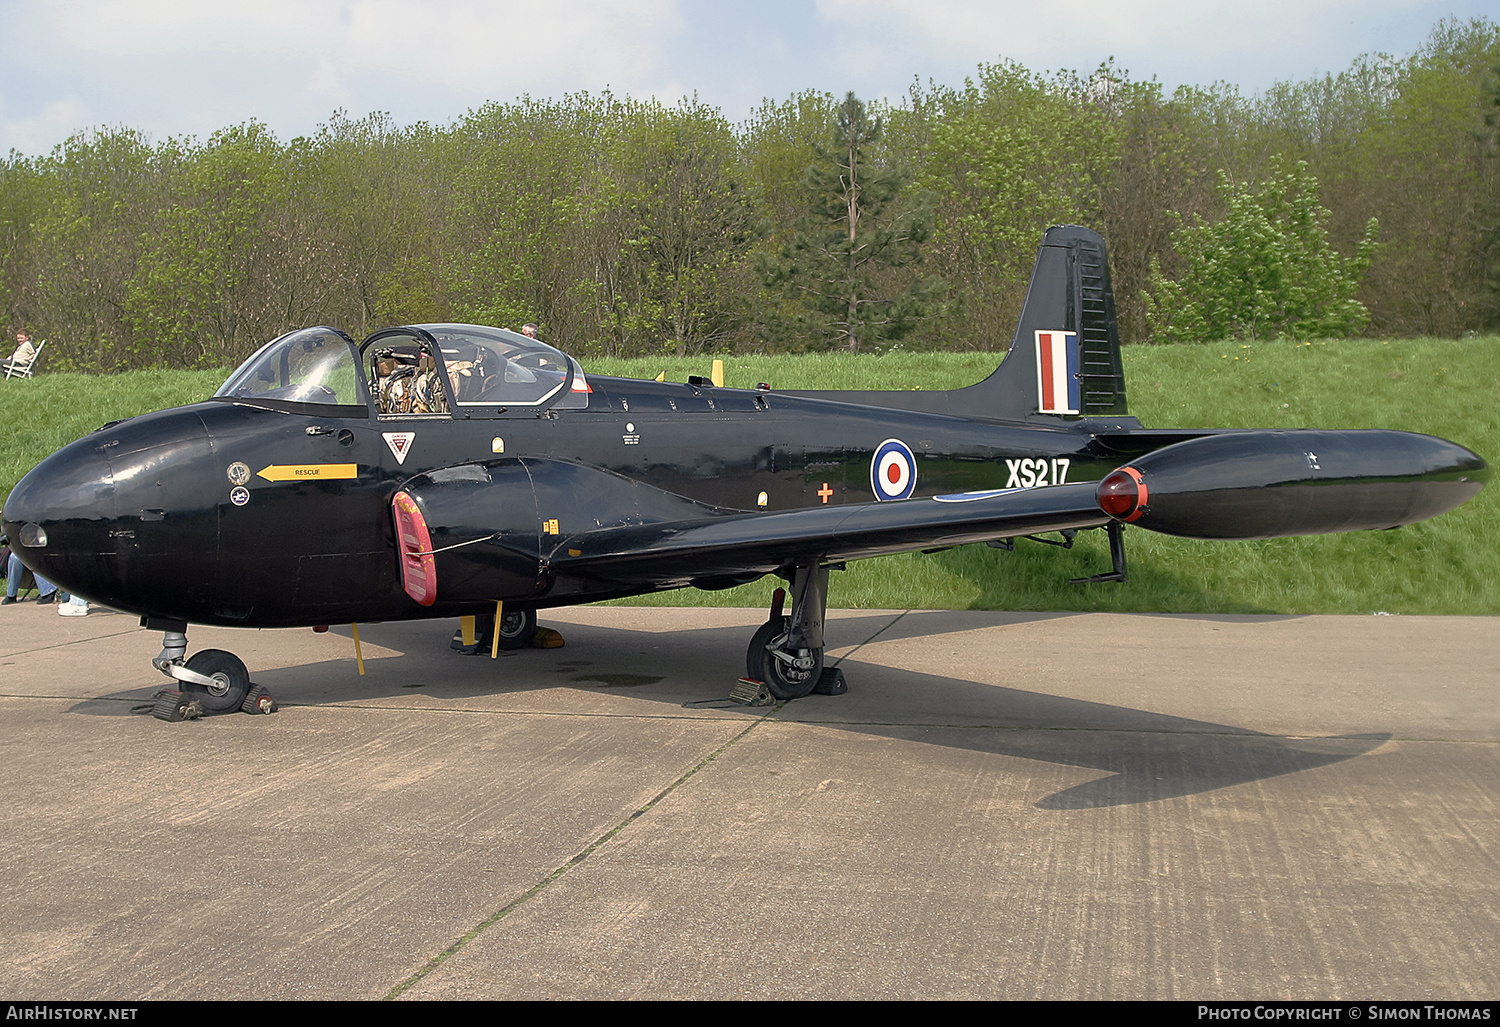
{"x":231,"y":514}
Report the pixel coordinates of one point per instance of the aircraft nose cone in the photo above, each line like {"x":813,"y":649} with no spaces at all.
{"x":59,"y":516}
{"x":94,"y":516}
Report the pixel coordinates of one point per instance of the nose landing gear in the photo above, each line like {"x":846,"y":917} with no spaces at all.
{"x":213,"y":681}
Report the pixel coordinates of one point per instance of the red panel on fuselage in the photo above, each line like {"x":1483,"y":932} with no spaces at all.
{"x":418,"y":570}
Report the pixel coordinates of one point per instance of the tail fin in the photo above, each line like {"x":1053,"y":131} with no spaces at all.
{"x":1064,"y":362}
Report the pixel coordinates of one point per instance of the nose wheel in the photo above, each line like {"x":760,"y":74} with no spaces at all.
{"x":228,"y":685}
{"x":210,"y":682}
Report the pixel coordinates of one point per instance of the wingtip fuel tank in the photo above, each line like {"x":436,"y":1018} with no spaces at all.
{"x":1270,"y":484}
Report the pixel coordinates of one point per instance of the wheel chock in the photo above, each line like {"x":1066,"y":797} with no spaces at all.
{"x":172,"y":706}
{"x":258,"y":700}
{"x":750,"y":692}
{"x":831,"y":682}
{"x":546,"y":638}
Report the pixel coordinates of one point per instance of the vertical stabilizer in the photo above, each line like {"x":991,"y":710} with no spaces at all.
{"x":1064,"y":361}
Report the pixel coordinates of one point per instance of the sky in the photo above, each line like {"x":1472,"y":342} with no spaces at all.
{"x":179,"y":68}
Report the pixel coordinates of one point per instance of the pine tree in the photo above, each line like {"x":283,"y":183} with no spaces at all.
{"x":835,"y":275}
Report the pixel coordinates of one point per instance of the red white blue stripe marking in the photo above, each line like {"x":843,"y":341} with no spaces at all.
{"x":1057,"y":386}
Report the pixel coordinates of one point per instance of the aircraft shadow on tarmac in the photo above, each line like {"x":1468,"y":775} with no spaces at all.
{"x":1143,"y":756}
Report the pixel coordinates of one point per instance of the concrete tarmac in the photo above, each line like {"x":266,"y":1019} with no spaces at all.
{"x":1010,"y":806}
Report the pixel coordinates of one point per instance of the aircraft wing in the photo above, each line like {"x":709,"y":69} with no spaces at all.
{"x":677,"y":553}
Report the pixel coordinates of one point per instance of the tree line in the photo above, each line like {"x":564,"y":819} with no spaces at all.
{"x":628,"y":227}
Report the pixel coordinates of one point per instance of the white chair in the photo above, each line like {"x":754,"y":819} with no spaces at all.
{"x":15,"y":370}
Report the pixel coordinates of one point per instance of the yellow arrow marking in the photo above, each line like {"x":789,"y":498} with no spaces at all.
{"x":298,"y":472}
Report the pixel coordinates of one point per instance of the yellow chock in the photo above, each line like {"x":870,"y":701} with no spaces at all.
{"x":546,"y":638}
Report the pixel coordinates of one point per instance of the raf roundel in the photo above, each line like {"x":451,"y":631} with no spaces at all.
{"x":893,"y":470}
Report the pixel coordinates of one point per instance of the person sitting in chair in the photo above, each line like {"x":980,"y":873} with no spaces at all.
{"x":23,"y":356}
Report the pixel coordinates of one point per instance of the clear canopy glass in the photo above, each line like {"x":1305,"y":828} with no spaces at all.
{"x":495,"y":367}
{"x":434,"y":366}
{"x":313,"y":365}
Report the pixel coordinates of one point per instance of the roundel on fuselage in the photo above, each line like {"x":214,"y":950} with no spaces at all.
{"x":893,"y":470}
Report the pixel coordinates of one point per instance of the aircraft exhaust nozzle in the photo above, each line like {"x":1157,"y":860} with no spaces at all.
{"x":1272,"y":484}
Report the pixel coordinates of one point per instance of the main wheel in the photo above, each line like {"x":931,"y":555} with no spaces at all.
{"x":781,"y":679}
{"x":517,"y":626}
{"x":231,"y":681}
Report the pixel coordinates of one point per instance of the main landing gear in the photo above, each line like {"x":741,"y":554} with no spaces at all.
{"x":517,"y":629}
{"x":786,"y":652}
{"x":212,"y":681}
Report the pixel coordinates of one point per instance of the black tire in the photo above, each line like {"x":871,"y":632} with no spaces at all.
{"x":780,"y":680}
{"x":755,"y":655}
{"x":517,"y":628}
{"x":232,"y":681}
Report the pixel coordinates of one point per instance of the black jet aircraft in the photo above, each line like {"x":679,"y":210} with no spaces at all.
{"x":437,"y":470}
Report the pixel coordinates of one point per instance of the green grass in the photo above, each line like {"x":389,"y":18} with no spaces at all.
{"x":1448,"y":565}
{"x":47,"y":412}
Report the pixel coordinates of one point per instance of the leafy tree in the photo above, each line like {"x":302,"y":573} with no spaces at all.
{"x":689,"y":228}
{"x":373,"y":199}
{"x":22,"y":201}
{"x":1013,"y":154}
{"x":524,"y":227}
{"x":855,"y":230}
{"x":1166,"y":146}
{"x":1007,"y":156}
{"x":226,"y":266}
{"x":778,"y":144}
{"x":1267,"y":269}
{"x":1489,"y":207}
{"x":101,"y":193}
{"x":1422,"y":157}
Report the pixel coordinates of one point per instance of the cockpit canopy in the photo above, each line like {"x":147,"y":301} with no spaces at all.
{"x":482,"y":367}
{"x":311,"y":366}
{"x":415,"y":370}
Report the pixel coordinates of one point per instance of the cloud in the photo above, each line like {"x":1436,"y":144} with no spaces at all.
{"x":180,"y":67}
{"x":39,"y":131}
{"x":187,"y":67}
{"x":1250,"y":42}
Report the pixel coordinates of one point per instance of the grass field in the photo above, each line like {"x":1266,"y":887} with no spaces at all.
{"x":1449,"y":388}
